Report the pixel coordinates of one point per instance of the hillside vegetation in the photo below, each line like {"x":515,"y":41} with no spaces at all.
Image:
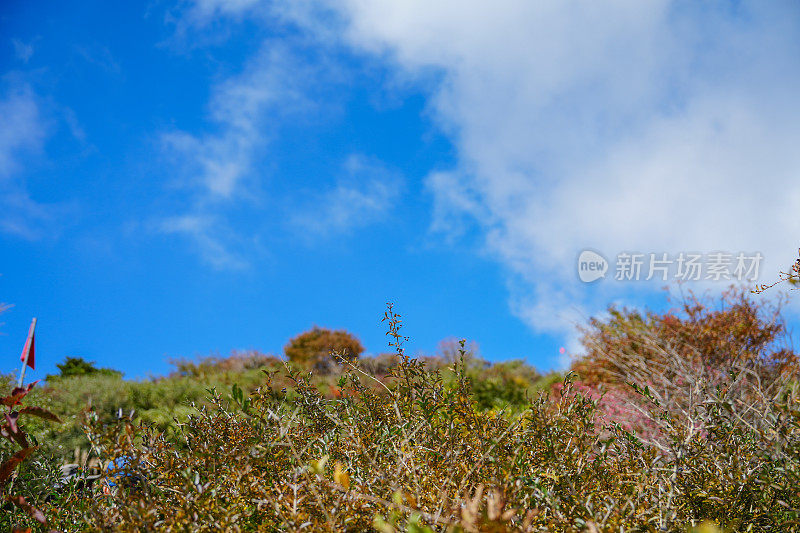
{"x":667,"y":422}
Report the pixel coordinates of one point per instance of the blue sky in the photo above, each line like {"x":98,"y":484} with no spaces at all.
{"x":187,"y":178}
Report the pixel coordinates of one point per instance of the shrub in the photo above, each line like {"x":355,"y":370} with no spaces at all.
{"x":451,"y":350}
{"x":701,"y":334}
{"x":379,"y":365}
{"x":313,"y":348}
{"x":237,"y":362}
{"x":160,"y":401}
{"x":16,"y":451}
{"x":77,"y":366}
{"x":421,"y":457}
{"x":502,"y":385}
{"x":683,"y":356}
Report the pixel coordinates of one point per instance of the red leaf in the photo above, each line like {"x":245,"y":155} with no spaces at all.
{"x":34,"y":513}
{"x":12,"y":421}
{"x":40,"y":412}
{"x":17,"y":394}
{"x":15,"y":436}
{"x":8,"y":467}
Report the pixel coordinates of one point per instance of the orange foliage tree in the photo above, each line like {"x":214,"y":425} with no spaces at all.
{"x":737,"y":330}
{"x":680,"y":358}
{"x":314,"y":348}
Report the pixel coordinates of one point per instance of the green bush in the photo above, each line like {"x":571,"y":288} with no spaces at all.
{"x":502,"y":385}
{"x":77,"y":366}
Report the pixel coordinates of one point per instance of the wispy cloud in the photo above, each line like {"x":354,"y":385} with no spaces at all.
{"x":22,"y":134}
{"x":244,"y":111}
{"x":23,"y":126}
{"x":201,"y":22}
{"x":362,"y":195}
{"x":221,"y":167}
{"x":23,"y":51}
{"x":205,"y":11}
{"x":99,"y":55}
{"x":210,"y":237}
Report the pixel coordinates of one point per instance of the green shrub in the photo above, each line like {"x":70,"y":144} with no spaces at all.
{"x":77,"y":366}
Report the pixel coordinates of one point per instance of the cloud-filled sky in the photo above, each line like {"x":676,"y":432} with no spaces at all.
{"x":193,"y":177}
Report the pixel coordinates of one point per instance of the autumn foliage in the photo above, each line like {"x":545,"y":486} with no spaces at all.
{"x":706,"y":438}
{"x":707,"y":334}
{"x":314,"y":348}
{"x":13,"y":431}
{"x":733,"y":344}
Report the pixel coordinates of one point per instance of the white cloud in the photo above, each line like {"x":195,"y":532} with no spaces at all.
{"x":23,"y":51}
{"x":204,"y":11}
{"x":623,"y":125}
{"x":244,"y":110}
{"x":23,"y":128}
{"x":208,"y":235}
{"x":363,"y":195}
{"x":222,"y":166}
{"x":22,"y":134}
{"x":22,"y":216}
{"x":100,"y":56}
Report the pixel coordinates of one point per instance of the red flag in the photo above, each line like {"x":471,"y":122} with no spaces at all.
{"x":30,"y":349}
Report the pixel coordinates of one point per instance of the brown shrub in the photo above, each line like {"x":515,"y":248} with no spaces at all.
{"x":237,"y":362}
{"x":683,"y":356}
{"x":314,"y":348}
{"x":736,"y":330}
